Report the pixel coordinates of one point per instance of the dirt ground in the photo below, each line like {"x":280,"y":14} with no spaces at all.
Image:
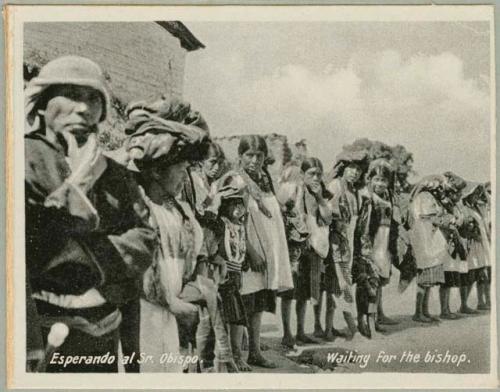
{"x":465,"y":340}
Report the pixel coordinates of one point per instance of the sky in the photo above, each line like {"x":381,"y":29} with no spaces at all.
{"x":424,"y":85}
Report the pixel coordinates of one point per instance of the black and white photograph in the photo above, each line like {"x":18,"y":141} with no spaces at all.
{"x":241,"y":192}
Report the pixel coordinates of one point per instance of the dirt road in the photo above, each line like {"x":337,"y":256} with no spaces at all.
{"x":463,"y":344}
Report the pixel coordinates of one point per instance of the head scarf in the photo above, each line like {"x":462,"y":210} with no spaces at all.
{"x":453,"y":182}
{"x":470,"y":188}
{"x":344,"y":159}
{"x":165,"y":130}
{"x":72,"y":70}
{"x":432,"y":184}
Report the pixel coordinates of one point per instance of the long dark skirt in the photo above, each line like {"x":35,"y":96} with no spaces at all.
{"x":260,"y":301}
{"x":307,"y":280}
{"x":453,"y":279}
{"x":233,"y":308}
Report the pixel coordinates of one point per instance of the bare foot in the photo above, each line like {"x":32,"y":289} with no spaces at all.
{"x":242,"y":365}
{"x":421,"y":319}
{"x":259,"y":360}
{"x":230,"y":366}
{"x":329,"y":336}
{"x":304,"y":339}
{"x":384,"y":320}
{"x":318,"y":331}
{"x":288,"y":342}
{"x":467,"y":310}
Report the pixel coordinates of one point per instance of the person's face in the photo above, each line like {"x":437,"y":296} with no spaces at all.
{"x":253,"y":160}
{"x":352,"y":173}
{"x":171,"y":178}
{"x":295,"y":251}
{"x":312,"y":177}
{"x":455,"y":196}
{"x":211,"y":167}
{"x":73,"y":110}
{"x":236,"y":211}
{"x":379,"y":184}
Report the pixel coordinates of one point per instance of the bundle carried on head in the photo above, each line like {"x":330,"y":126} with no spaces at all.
{"x":166,"y":130}
{"x":432,"y":183}
{"x":345,"y":158}
{"x":453,"y":182}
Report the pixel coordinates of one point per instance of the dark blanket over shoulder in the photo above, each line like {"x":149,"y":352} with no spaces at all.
{"x":68,"y":250}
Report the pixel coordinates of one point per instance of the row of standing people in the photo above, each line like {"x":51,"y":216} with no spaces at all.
{"x":158,"y":254}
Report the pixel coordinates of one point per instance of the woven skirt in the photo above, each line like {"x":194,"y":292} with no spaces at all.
{"x":233,"y":308}
{"x":260,"y":301}
{"x":430,"y":276}
{"x":453,"y":278}
{"x":331,"y":282}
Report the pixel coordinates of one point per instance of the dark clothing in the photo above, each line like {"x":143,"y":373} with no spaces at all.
{"x":65,"y":252}
{"x":130,"y":334}
{"x":372,"y":216}
{"x":307,"y":280}
{"x":80,"y":342}
{"x":76,"y":242}
{"x":233,"y":309}
{"x":261,"y":301}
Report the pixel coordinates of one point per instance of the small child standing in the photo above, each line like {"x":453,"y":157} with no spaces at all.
{"x":231,"y":252}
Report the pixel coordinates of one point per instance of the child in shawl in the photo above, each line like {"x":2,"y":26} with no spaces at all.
{"x":476,"y":232}
{"x":375,"y":246}
{"x":231,"y":252}
{"x":344,"y":203}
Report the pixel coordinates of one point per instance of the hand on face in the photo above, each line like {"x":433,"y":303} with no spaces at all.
{"x":312,"y":179}
{"x":73,"y":111}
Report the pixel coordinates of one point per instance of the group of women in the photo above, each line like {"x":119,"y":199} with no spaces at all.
{"x":202,"y":248}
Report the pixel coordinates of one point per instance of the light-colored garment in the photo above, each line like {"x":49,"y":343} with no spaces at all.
{"x":158,"y":336}
{"x":479,"y":251}
{"x":380,"y":255}
{"x":267,"y":237}
{"x":180,"y":244}
{"x":319,"y":240}
{"x":428,"y":242}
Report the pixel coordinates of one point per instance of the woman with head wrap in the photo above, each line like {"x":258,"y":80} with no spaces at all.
{"x":345,"y":182}
{"x":455,"y":266}
{"x":267,"y":252}
{"x":166,"y":136}
{"x":435,"y":240}
{"x":375,"y":246}
{"x":313,"y":206}
{"x":86,"y":247}
{"x":476,"y":233}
